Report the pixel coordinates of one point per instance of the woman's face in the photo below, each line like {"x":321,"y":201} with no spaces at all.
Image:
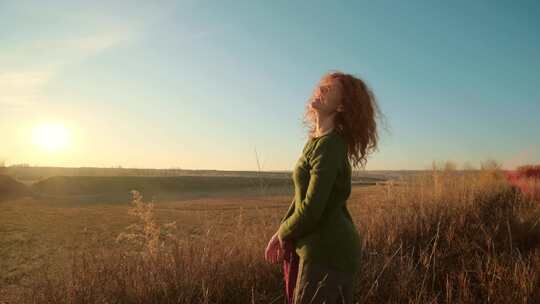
{"x":326,"y":98}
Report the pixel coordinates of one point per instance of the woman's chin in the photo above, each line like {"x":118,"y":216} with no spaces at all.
{"x":314,"y":106}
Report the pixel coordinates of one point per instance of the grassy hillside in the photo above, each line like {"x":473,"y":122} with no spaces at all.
{"x":30,"y":175}
{"x":11,"y":189}
{"x":119,"y":187}
{"x":116,"y":188}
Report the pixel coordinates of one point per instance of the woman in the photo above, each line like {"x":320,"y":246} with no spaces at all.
{"x":318,"y":227}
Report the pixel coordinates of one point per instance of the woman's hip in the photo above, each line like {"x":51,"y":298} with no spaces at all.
{"x":319,"y":282}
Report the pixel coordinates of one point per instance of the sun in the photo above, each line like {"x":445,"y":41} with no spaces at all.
{"x":50,"y":137}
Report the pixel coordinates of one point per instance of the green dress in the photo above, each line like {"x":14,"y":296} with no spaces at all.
{"x":318,"y":221}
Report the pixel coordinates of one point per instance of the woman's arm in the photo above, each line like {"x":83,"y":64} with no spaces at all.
{"x":325,"y":161}
{"x":289,"y":212}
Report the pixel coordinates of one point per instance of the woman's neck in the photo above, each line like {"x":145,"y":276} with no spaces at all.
{"x":323,"y":126}
{"x":321,"y":133}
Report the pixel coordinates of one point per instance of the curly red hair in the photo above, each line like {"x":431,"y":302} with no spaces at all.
{"x":357,"y":124}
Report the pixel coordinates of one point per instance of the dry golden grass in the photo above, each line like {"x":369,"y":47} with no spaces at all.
{"x":447,"y":236}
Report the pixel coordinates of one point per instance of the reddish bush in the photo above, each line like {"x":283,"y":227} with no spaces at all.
{"x":526,"y":179}
{"x":529,"y":171}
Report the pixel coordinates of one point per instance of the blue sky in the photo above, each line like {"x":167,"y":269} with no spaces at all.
{"x":201,"y":85}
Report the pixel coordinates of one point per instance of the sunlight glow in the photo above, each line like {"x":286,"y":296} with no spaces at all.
{"x":50,"y":137}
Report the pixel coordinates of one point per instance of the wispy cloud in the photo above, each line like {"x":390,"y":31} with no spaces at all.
{"x":31,"y":60}
{"x":99,"y":42}
{"x":20,"y":86}
{"x":20,"y":89}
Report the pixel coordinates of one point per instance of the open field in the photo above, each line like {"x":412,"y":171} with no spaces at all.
{"x":440,"y":237}
{"x":37,"y":233}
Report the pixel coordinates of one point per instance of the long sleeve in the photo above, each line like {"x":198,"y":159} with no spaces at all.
{"x":325,"y":162}
{"x":288,"y":213}
{"x":291,"y":206}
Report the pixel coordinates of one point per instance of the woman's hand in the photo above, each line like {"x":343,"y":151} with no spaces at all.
{"x":276,"y":249}
{"x":273,"y":253}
